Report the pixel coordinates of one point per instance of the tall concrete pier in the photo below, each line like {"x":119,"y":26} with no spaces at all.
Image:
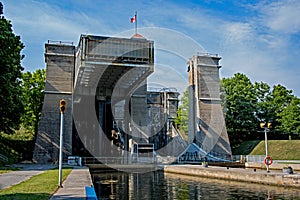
{"x":59,"y":58}
{"x":206,"y":120}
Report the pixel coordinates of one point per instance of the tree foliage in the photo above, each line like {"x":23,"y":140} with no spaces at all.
{"x":239,"y":103}
{"x":11,"y":106}
{"x":264,"y":110}
{"x":246,"y":104}
{"x":289,"y":118}
{"x":281,"y":98}
{"x":182,"y":114}
{"x":33,"y":95}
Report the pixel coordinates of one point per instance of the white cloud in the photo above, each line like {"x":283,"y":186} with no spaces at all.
{"x":37,"y":19}
{"x":258,"y":45}
{"x":281,"y":16}
{"x":238,"y":32}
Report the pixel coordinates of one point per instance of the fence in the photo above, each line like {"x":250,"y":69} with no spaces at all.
{"x":255,"y":158}
{"x":129,"y":160}
{"x":3,"y":157}
{"x":248,"y":158}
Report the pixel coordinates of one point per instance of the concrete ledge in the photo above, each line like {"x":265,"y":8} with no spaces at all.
{"x":274,"y":166}
{"x":237,"y":174}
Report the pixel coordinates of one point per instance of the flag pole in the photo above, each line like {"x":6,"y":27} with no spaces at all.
{"x":135,"y":22}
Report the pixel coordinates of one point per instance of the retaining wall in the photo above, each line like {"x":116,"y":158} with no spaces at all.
{"x":237,"y":174}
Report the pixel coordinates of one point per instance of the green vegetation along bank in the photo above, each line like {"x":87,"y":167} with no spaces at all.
{"x":39,"y":187}
{"x":278,"y":149}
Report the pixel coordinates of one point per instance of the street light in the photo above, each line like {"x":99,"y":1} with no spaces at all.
{"x":62,"y":108}
{"x":62,"y":105}
{"x":268,"y":160}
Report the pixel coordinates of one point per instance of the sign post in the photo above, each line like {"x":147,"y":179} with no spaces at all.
{"x":62,"y":107}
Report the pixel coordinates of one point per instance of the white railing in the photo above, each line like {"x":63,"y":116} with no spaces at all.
{"x":118,"y":160}
{"x":130,"y":160}
{"x":239,"y":158}
{"x":3,"y":157}
{"x":255,"y":158}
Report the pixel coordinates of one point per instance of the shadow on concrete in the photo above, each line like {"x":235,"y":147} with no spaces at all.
{"x":66,"y":196}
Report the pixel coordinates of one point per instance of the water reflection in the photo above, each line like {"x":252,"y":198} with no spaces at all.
{"x":157,"y":185}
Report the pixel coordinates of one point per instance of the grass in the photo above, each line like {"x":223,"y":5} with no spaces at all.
{"x":7,"y":169}
{"x":244,"y":148}
{"x":38,"y":187}
{"x":16,"y":146}
{"x":2,"y":171}
{"x":279,"y":149}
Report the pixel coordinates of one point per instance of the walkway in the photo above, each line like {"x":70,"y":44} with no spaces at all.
{"x":15,"y":177}
{"x":74,"y":186}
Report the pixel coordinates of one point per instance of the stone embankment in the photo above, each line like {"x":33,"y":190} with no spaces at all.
{"x":274,"y":166}
{"x":274,"y":177}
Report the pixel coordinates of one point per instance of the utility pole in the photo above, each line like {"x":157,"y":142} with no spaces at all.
{"x":62,"y":107}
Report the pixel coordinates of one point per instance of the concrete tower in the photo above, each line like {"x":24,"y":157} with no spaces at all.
{"x":59,"y":58}
{"x":206,"y":120}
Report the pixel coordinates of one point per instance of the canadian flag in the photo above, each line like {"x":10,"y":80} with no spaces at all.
{"x":133,"y":19}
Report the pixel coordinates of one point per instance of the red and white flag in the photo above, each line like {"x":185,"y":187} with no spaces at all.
{"x":133,"y":19}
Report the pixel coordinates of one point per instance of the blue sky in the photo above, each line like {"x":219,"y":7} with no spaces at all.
{"x":258,"y":38}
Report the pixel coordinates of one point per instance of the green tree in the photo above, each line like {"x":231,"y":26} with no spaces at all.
{"x":280,"y":99}
{"x":33,"y":96}
{"x":182,"y":113}
{"x":239,"y":105}
{"x":290,"y":117}
{"x":264,"y":107}
{"x":10,"y":73}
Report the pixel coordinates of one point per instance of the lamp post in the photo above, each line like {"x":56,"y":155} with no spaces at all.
{"x":267,"y":160}
{"x":266,"y":144}
{"x":62,"y":107}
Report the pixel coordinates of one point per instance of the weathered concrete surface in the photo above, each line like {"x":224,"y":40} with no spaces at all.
{"x":274,"y":166}
{"x":59,"y":82}
{"x":237,"y":174}
{"x":74,"y":185}
{"x":206,"y":119}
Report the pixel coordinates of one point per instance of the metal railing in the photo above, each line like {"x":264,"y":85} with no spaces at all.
{"x":118,"y":160}
{"x":255,"y":158}
{"x":248,"y":158}
{"x":3,"y":157}
{"x":130,"y":160}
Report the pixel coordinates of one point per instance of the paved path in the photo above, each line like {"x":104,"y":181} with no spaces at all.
{"x":28,"y":170}
{"x":74,"y":186}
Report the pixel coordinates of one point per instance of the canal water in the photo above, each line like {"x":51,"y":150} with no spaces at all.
{"x":159,"y":185}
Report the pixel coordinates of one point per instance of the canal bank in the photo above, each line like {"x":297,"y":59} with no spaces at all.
{"x":277,"y":178}
{"x":131,"y":182}
{"x":274,"y":166}
{"x":160,"y":185}
{"x":74,"y":187}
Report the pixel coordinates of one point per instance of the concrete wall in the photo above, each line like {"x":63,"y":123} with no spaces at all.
{"x":59,"y":80}
{"x":206,"y":123}
{"x":237,"y":174}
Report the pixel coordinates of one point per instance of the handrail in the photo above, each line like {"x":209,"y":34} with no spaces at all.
{"x":117,"y":160}
{"x":3,"y":157}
